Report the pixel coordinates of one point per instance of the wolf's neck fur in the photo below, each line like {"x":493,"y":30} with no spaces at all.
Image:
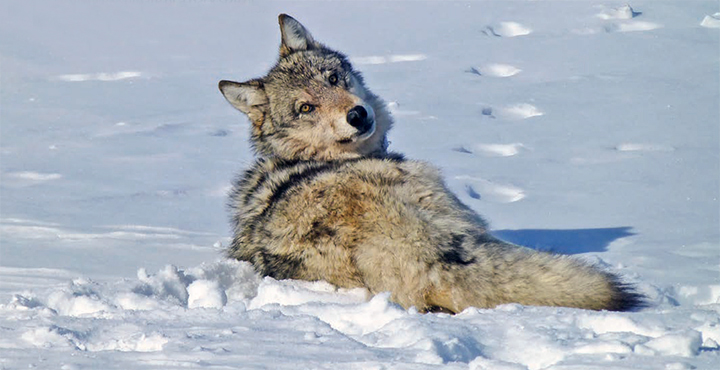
{"x":380,"y":154}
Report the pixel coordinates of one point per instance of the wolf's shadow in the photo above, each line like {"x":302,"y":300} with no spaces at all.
{"x":565,"y":241}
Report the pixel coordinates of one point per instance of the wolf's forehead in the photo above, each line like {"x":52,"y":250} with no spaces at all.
{"x":312,"y":63}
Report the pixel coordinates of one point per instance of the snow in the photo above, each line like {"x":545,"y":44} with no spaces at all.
{"x":497,"y":70}
{"x":622,"y":12}
{"x":377,"y":59}
{"x":711,"y":21}
{"x":684,"y":344}
{"x":115,"y":76}
{"x":583,"y":127}
{"x":509,"y":29}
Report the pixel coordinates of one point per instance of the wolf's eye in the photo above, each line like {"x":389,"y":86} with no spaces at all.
{"x":307,"y":108}
{"x":333,"y":79}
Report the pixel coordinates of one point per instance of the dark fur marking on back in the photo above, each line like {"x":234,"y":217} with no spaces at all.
{"x":247,"y":195}
{"x":317,"y":231}
{"x":294,"y":180}
{"x":455,"y":254}
{"x":305,"y":176}
{"x":457,"y":240}
{"x":283,"y":188}
{"x":258,"y":184}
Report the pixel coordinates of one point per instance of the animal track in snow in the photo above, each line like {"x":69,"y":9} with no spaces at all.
{"x":623,"y":12}
{"x":29,"y":178}
{"x":495,"y":70}
{"x":643,"y":147}
{"x":519,"y":111}
{"x":158,"y":230}
{"x":493,"y":150}
{"x":500,"y":150}
{"x":394,"y":108}
{"x":378,"y":59}
{"x":632,"y":26}
{"x":34,"y":176}
{"x":488,"y":111}
{"x":711,"y":21}
{"x":471,"y":192}
{"x":38,"y":231}
{"x":507,"y":29}
{"x":490,"y":190}
{"x":621,"y":19}
{"x":624,"y":16}
{"x":622,"y":152}
{"x":116,"y":76}
{"x":462,"y":149}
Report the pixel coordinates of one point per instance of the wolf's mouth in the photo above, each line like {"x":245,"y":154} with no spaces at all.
{"x":368,"y":132}
{"x":360,"y":136}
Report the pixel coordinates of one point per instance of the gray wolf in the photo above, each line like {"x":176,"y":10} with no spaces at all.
{"x":326,"y":200}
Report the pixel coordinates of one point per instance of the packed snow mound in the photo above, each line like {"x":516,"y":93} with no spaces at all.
{"x":495,"y":70}
{"x":711,"y":21}
{"x":623,"y":12}
{"x":508,"y":29}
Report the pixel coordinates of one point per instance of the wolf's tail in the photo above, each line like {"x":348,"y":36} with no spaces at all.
{"x":501,"y":273}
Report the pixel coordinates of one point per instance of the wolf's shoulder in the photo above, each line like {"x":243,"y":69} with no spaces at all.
{"x":273,"y":170}
{"x":270,"y":180}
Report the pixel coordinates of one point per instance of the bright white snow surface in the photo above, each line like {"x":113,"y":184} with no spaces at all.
{"x":583,"y":127}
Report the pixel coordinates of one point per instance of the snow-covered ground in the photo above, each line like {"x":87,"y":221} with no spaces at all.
{"x":584,"y":127}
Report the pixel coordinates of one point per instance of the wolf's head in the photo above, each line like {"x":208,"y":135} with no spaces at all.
{"x":312,"y":105}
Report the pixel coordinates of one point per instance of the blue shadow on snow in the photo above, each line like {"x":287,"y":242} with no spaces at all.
{"x":565,"y":241}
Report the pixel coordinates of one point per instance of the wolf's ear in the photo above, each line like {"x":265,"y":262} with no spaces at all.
{"x":248,"y":97}
{"x":295,"y":37}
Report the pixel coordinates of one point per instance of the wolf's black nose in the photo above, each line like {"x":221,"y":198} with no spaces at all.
{"x":357,"y":117}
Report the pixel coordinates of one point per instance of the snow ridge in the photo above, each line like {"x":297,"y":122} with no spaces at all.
{"x":164,"y":310}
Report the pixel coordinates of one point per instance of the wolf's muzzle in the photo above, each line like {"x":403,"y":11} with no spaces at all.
{"x":358,"y":118}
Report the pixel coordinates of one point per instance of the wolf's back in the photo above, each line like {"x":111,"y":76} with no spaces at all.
{"x":389,"y":224}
